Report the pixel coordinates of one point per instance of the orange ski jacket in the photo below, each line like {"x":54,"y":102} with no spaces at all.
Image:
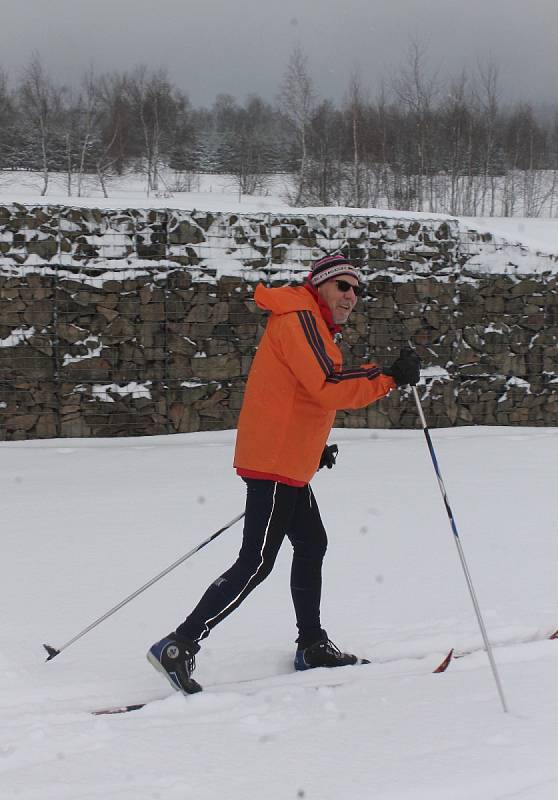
{"x":295,"y":386}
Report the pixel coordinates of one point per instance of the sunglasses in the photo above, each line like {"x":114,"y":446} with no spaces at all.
{"x":344,"y":286}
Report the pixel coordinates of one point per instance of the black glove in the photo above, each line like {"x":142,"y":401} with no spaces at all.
{"x":405,"y":370}
{"x":328,"y":456}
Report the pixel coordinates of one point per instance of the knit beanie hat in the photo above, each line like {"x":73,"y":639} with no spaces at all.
{"x":330,"y":267}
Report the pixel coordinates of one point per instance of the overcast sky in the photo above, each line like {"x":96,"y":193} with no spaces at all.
{"x":241,"y":47}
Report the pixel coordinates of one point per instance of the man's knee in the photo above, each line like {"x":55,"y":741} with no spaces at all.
{"x":250,"y":568}
{"x":313,"y":549}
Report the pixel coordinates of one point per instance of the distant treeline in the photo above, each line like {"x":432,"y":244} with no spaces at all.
{"x":420,"y":145}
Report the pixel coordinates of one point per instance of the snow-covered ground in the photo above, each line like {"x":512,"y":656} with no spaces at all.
{"x":212,"y":192}
{"x":539,"y":233}
{"x":85,"y":522}
{"x":209,"y":192}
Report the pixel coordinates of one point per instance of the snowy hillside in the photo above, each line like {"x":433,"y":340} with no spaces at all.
{"x":85,"y":522}
{"x":212,"y":192}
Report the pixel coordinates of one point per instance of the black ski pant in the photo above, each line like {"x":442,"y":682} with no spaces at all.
{"x":273,"y":511}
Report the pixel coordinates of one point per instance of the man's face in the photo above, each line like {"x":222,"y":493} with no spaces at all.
{"x":339,"y":295}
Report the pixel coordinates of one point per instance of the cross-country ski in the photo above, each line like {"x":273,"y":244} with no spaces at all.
{"x":321,"y":679}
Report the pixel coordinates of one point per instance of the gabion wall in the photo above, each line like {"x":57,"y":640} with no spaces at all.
{"x":136,"y":322}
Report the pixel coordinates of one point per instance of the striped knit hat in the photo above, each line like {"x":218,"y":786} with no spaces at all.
{"x":330,"y":267}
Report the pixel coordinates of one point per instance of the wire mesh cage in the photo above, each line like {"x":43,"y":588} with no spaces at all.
{"x":134,"y":322}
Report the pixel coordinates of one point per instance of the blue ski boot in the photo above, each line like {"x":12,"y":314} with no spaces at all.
{"x":174,"y":657}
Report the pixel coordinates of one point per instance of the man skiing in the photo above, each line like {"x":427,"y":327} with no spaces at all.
{"x":295,"y":386}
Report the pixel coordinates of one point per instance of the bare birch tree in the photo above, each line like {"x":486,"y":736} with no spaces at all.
{"x":355,"y":109}
{"x":297,"y":101}
{"x":156,"y":106}
{"x":6,"y":121}
{"x":39,"y":102}
{"x":114,"y":122}
{"x":89,"y":113}
{"x":417,"y":90}
{"x":489,"y":102}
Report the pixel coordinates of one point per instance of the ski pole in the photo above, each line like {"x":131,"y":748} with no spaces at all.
{"x":53,"y":651}
{"x":460,"y":550}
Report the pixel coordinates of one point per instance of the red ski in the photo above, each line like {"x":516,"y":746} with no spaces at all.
{"x":444,"y":664}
